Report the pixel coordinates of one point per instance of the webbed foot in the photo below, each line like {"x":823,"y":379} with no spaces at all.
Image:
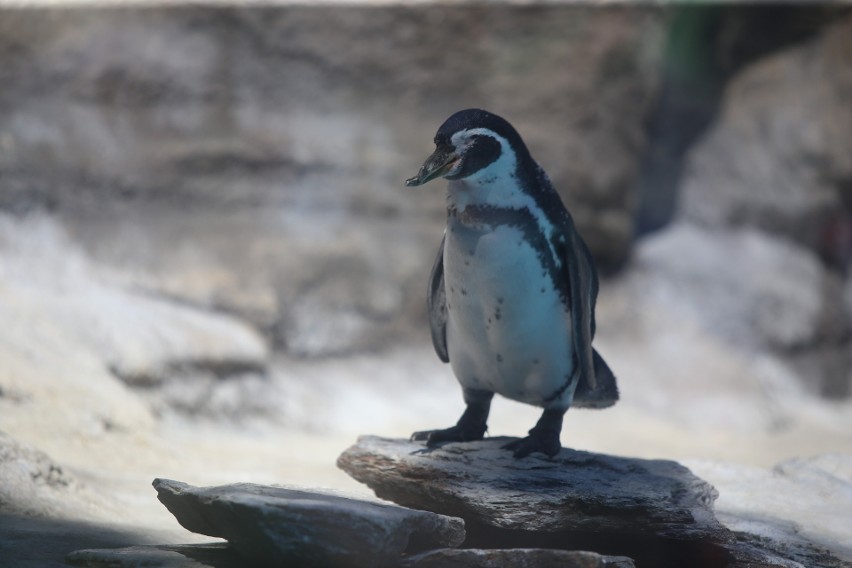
{"x":547,"y":444}
{"x":544,"y":437}
{"x":455,"y":433}
{"x":471,"y":426}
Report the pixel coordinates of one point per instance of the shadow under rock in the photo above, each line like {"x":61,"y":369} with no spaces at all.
{"x":34,"y":542}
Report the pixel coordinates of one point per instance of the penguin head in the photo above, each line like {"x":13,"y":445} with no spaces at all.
{"x":470,"y":144}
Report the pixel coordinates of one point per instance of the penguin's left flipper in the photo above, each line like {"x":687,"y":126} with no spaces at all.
{"x":436,"y":306}
{"x":605,"y":392}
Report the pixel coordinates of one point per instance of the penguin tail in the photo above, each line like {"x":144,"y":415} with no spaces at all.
{"x":605,"y":392}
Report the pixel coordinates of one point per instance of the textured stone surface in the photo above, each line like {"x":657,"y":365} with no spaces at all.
{"x":275,"y":524}
{"x":574,"y":491}
{"x":778,"y":156}
{"x":654,"y":511}
{"x":799,"y":501}
{"x":514,"y":558}
{"x":76,"y":340}
{"x":41,"y":542}
{"x":176,"y":556}
{"x":761,"y":295}
{"x":748,"y":288}
{"x":33,"y":484}
{"x":221,"y":556}
{"x":253,"y":159}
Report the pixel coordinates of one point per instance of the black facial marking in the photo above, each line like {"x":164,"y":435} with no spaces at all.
{"x":479,"y":153}
{"x":469,"y":119}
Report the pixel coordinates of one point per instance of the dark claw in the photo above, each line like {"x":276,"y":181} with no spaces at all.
{"x":544,"y":437}
{"x":471,"y":426}
{"x":545,"y":443}
{"x":422,"y":435}
{"x":451,"y":434}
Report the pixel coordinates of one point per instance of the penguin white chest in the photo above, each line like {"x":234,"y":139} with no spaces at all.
{"x":508,"y":330}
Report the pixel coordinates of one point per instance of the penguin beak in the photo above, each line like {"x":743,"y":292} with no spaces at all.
{"x":436,"y":165}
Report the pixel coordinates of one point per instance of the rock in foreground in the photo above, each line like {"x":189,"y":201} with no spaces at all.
{"x":221,"y":556}
{"x":575,"y":491}
{"x":654,"y":511}
{"x":280,"y":526}
{"x":514,"y":558}
{"x":216,"y":555}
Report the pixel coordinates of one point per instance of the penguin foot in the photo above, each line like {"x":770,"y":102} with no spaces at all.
{"x":546,"y":443}
{"x":471,"y":426}
{"x":457,"y":433}
{"x":544,"y":437}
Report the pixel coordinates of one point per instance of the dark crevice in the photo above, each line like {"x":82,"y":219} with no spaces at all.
{"x":706,"y":46}
{"x":647,"y":550}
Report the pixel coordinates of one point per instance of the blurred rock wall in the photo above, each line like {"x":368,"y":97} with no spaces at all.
{"x":777,"y":163}
{"x":250,"y":159}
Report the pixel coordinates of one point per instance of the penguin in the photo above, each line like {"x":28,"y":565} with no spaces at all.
{"x":511,"y":297}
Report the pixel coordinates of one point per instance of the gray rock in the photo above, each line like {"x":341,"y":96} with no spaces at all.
{"x":280,"y":525}
{"x":40,"y":542}
{"x":221,"y":556}
{"x":777,"y":160}
{"x":747,"y":287}
{"x":778,"y":156}
{"x":514,"y":558}
{"x":574,"y":491}
{"x":252,"y":159}
{"x":761,"y":295}
{"x":180,"y":358}
{"x":175,"y":556}
{"x":33,"y":484}
{"x":655,"y":511}
{"x":799,"y":501}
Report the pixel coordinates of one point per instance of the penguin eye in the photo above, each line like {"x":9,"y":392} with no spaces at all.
{"x":470,"y":142}
{"x":483,"y":144}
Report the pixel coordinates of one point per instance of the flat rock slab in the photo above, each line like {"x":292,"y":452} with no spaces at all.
{"x":277,"y":525}
{"x":216,"y":555}
{"x":654,"y":511}
{"x":574,"y":491}
{"x":514,"y":558}
{"x":219,"y":555}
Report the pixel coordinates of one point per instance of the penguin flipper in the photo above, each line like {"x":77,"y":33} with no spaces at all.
{"x":605,"y":392}
{"x":436,"y":305}
{"x":579,"y":270}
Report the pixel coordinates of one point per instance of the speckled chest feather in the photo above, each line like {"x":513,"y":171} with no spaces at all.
{"x":508,"y":326}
